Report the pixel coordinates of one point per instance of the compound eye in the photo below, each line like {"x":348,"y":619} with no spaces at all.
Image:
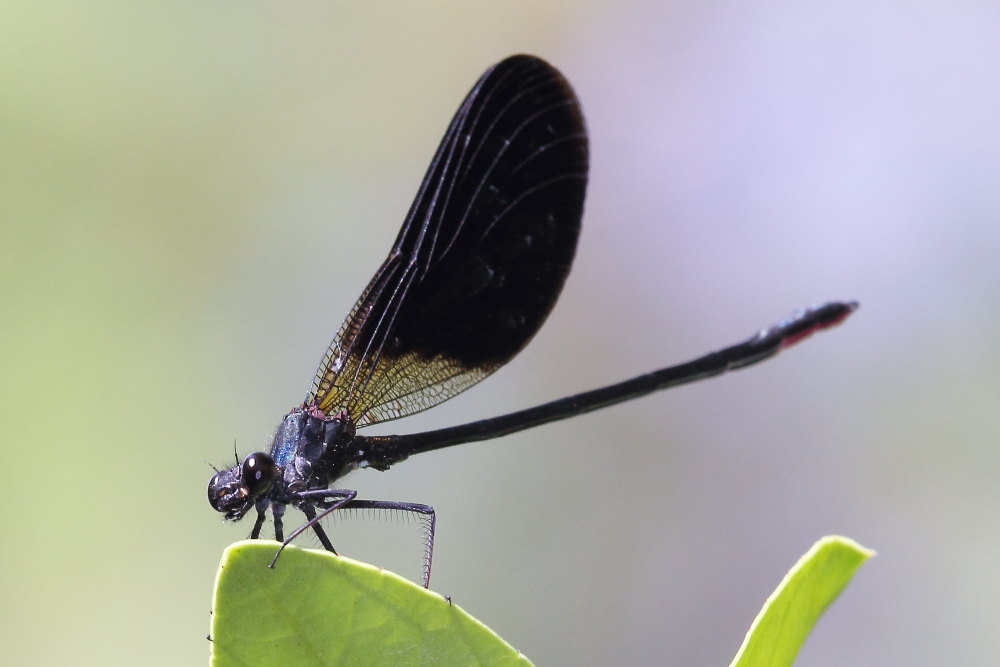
{"x":257,"y":472}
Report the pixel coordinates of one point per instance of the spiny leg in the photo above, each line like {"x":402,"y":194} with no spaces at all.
{"x":261,"y":508}
{"x":415,"y":508}
{"x":318,"y":529}
{"x":278,"y":510}
{"x":344,"y":496}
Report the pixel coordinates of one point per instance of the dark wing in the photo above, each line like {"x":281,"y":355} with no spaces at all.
{"x":480,"y":259}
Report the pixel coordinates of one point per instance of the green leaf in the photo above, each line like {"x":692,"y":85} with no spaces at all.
{"x":794,"y":607}
{"x":315,"y":608}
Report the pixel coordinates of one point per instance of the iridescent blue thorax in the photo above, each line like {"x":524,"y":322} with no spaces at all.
{"x":310,"y":450}
{"x":286,"y":438}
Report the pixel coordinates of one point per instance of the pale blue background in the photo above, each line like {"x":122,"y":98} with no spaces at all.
{"x":193,"y":194}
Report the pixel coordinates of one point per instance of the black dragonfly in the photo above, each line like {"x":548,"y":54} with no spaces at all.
{"x":477,"y":266}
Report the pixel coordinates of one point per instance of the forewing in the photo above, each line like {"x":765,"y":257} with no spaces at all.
{"x":481,"y":257}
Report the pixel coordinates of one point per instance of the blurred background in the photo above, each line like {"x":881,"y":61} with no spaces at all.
{"x":192,"y":195}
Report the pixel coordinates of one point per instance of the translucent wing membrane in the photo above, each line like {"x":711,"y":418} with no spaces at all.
{"x":480,"y":259}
